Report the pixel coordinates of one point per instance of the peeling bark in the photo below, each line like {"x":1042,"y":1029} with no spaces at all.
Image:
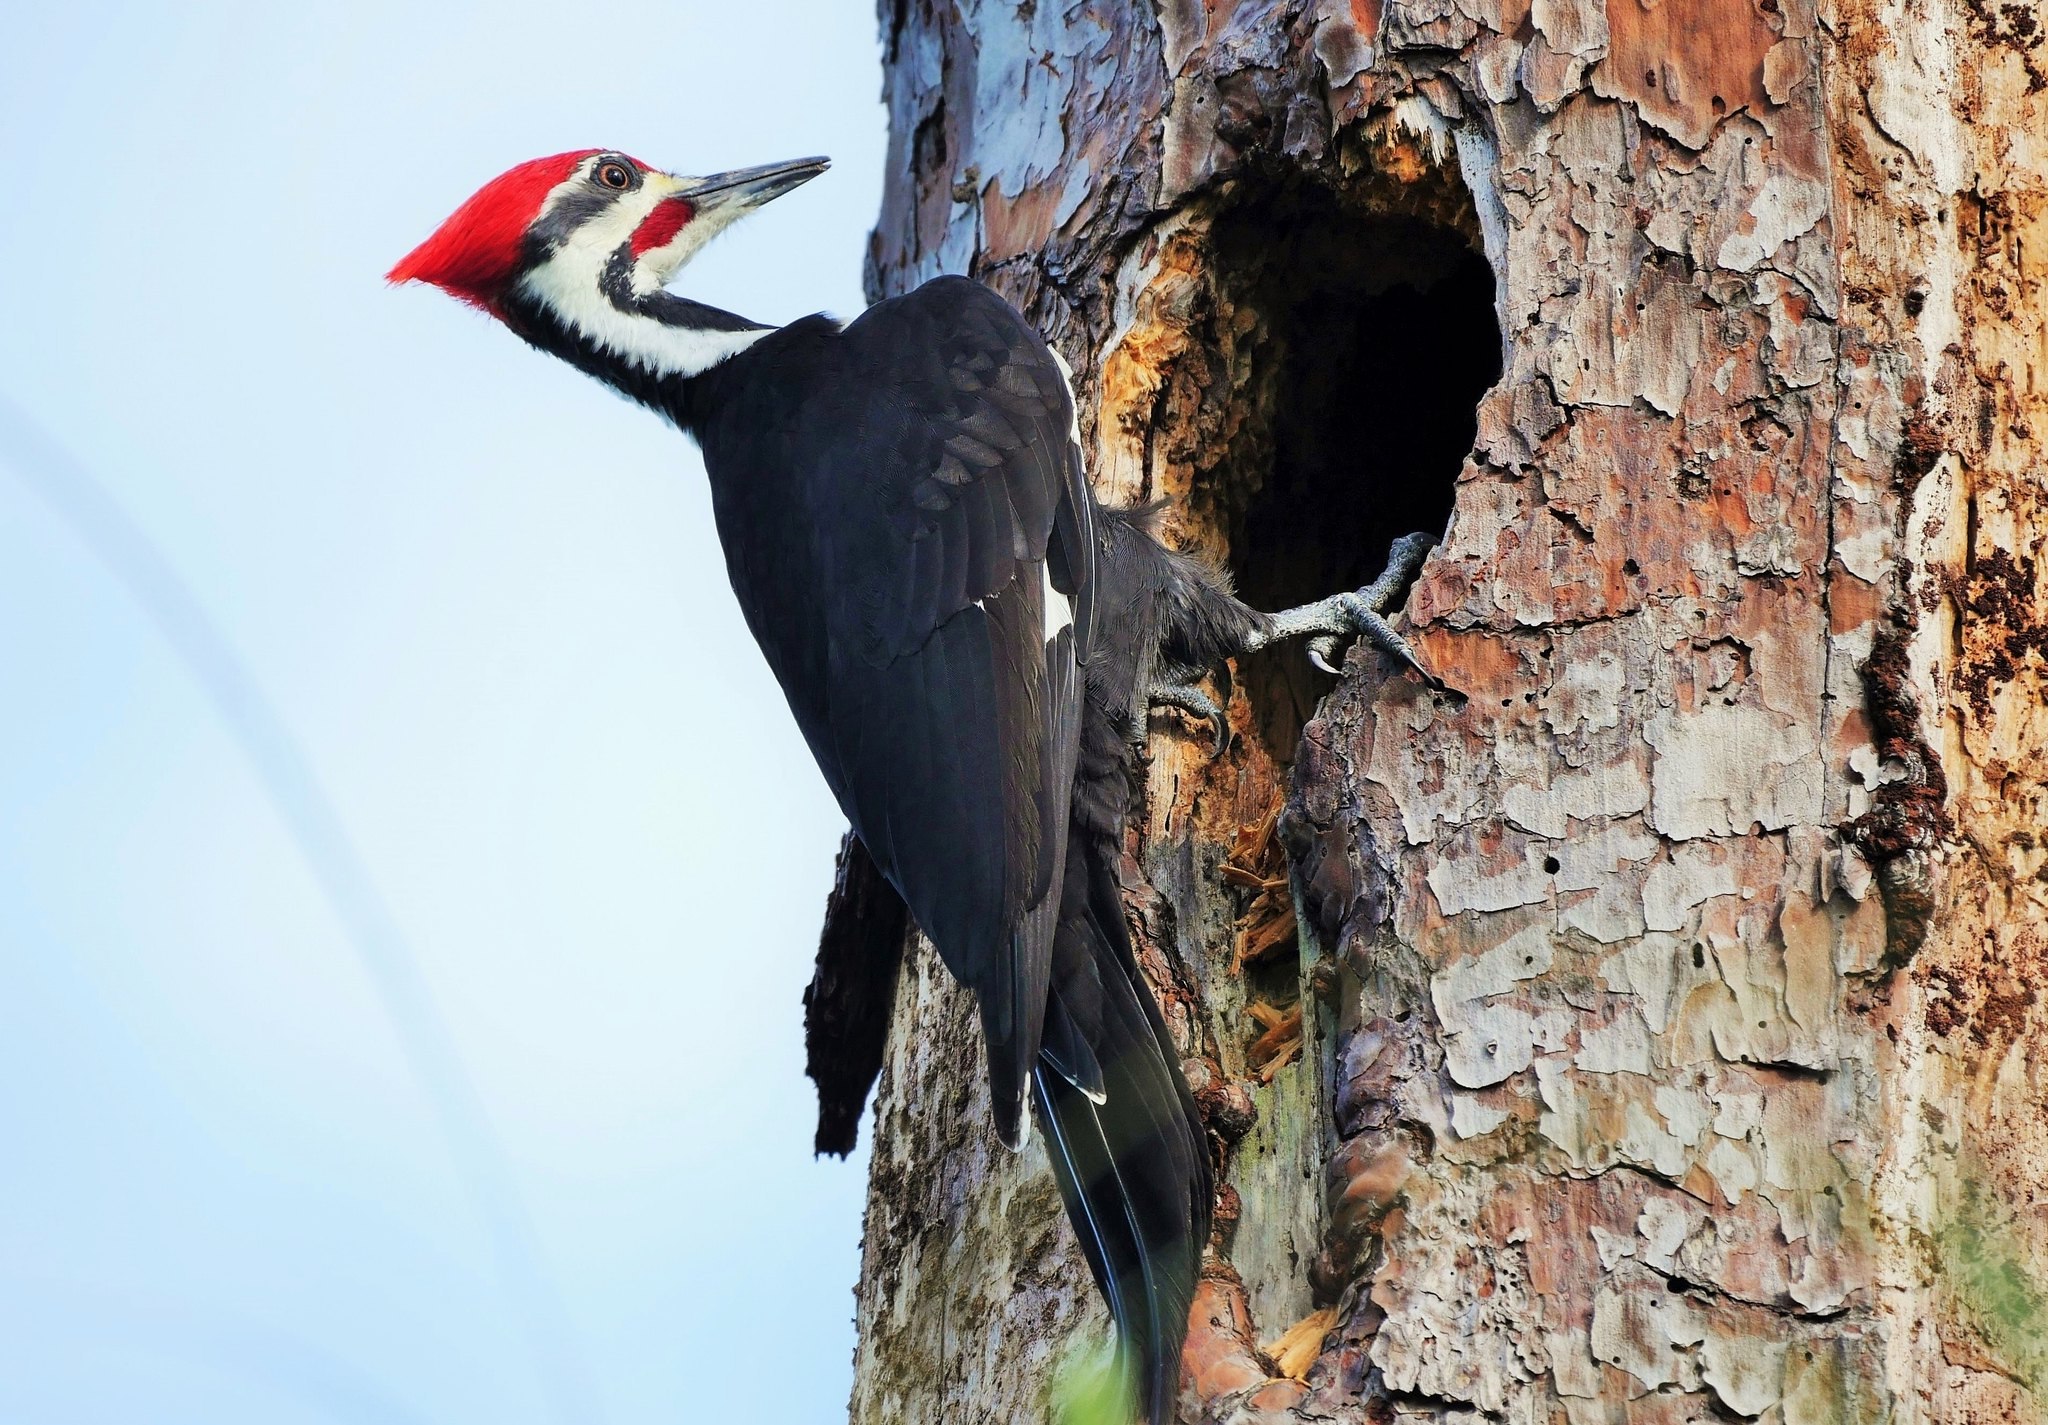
{"x":1661,"y":1037}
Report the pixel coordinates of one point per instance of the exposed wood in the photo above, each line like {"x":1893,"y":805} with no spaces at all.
{"x":1670,"y":1037}
{"x":1299,"y":1345}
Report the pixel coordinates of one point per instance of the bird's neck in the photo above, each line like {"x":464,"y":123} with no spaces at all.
{"x":647,"y":347}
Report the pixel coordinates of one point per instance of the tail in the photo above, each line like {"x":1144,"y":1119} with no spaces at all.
{"x":1128,"y":1147}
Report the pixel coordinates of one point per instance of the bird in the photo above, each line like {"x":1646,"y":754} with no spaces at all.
{"x":968,"y":641}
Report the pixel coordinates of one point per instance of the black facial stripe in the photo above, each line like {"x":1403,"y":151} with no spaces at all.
{"x":666,"y":306}
{"x":616,"y":281}
{"x":575,"y":208}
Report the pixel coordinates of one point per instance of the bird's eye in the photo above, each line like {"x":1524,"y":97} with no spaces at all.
{"x":613,"y":174}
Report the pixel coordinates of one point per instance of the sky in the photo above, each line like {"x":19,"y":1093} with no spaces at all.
{"x":408,"y":870}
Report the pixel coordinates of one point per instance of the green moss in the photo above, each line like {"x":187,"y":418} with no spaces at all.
{"x":1985,"y":1270}
{"x":1087,"y":1388}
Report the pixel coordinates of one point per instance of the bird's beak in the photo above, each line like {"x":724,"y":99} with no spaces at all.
{"x":742,"y":189}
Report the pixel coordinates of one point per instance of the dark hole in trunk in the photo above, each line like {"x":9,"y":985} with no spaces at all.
{"x":1378,"y":336}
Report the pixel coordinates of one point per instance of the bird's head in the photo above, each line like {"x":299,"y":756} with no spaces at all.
{"x":593,"y":225}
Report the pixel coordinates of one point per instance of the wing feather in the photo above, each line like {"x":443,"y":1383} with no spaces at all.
{"x":954,"y":719}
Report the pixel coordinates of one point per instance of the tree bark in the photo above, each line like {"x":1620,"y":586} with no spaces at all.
{"x":1660,"y":1037}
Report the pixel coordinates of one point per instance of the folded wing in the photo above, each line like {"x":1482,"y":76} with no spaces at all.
{"x":959,"y":553}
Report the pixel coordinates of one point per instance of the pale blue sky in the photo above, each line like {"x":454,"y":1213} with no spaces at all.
{"x":485,"y":598}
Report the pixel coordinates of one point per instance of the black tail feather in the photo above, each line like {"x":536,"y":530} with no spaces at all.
{"x":1133,"y":1169}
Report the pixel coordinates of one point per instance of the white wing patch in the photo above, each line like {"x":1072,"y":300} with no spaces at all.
{"x":1073,"y":401}
{"x":1059,"y":609}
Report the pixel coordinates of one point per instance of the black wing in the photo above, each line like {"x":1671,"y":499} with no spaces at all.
{"x":1126,"y":1142}
{"x":955,"y":543}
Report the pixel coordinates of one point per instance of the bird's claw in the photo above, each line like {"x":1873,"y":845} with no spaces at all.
{"x":1364,"y":611}
{"x":1381,"y":635}
{"x":1195,"y":703}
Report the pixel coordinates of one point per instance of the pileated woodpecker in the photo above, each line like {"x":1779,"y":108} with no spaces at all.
{"x":968,"y":641}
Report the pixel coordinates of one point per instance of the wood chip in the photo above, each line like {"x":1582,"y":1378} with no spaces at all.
{"x":1269,"y":1015}
{"x":1301,"y":1343}
{"x":1264,"y":940}
{"x":1239,"y":876}
{"x":1250,"y":845}
{"x":1261,"y":906}
{"x":1283,"y":1031}
{"x":1286,"y":1054}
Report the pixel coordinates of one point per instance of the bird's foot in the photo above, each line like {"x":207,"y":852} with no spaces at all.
{"x":1188,"y":698}
{"x":1323,"y":649}
{"x":1358,"y":614}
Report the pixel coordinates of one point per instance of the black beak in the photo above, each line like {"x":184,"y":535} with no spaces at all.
{"x":750,"y":187}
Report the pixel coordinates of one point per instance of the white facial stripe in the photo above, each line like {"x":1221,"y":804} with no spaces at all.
{"x":570,"y":290}
{"x":569,"y":284}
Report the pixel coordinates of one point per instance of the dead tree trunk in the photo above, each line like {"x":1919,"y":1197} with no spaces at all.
{"x":1660,"y":1039}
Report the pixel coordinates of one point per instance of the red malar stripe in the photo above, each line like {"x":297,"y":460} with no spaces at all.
{"x":659,"y":227}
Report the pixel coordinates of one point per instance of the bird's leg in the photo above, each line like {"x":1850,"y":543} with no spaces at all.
{"x":1325,"y":624}
{"x":1175,"y":688}
{"x":1360,"y":612}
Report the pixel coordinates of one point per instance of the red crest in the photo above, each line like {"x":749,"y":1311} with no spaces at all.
{"x":474,"y":254}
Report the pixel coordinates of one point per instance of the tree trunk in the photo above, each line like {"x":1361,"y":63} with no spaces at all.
{"x":1660,"y":1039}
